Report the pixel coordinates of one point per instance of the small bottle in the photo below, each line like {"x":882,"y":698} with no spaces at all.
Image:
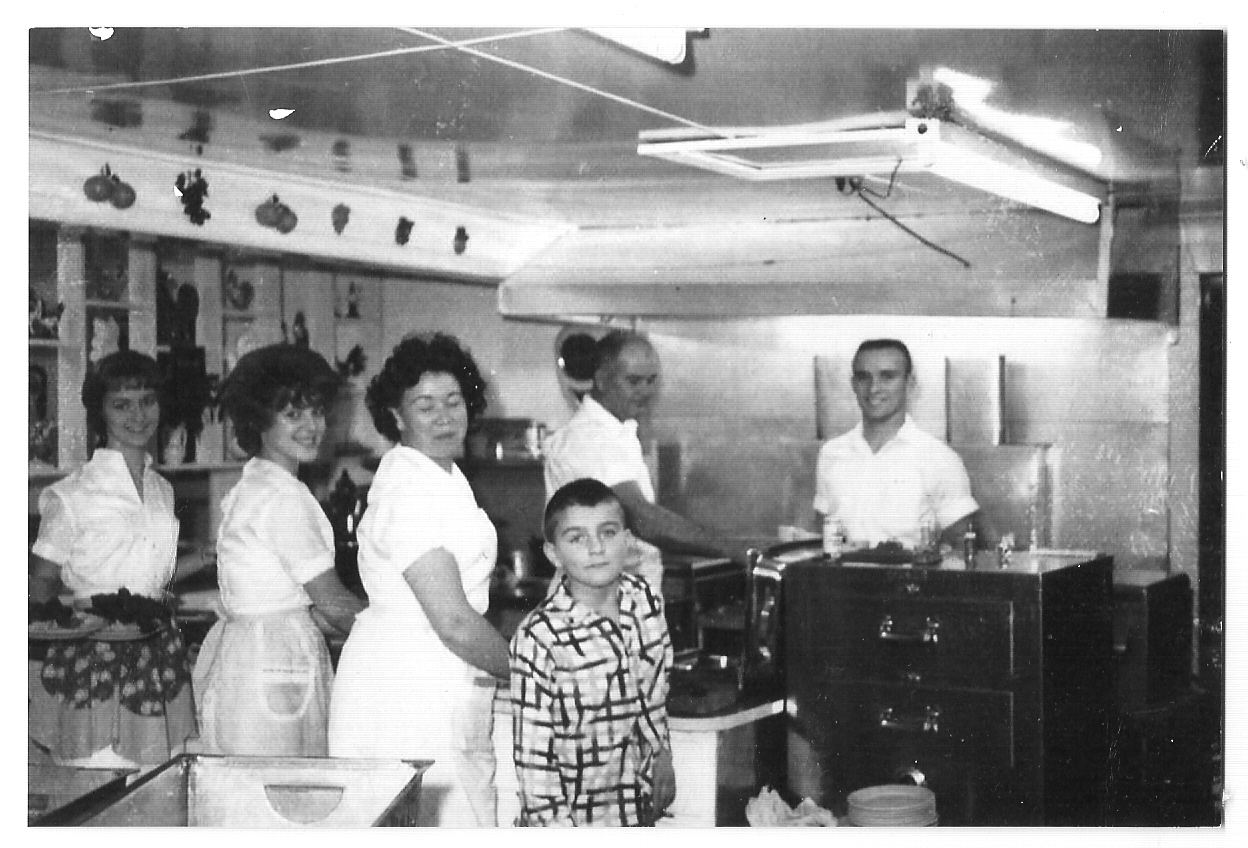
{"x":929,"y":535}
{"x":1004,"y":548}
{"x":968,"y":546}
{"x":833,"y":537}
{"x":534,"y":435}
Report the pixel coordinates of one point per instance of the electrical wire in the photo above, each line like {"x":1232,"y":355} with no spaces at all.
{"x":863,"y":197}
{"x":312,"y":63}
{"x":520,"y":66}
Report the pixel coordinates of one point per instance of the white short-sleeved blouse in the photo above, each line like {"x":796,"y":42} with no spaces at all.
{"x":274,"y":538}
{"x":103,"y":535}
{"x":415,"y":506}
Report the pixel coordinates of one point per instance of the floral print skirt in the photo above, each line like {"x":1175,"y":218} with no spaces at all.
{"x":131,"y":696}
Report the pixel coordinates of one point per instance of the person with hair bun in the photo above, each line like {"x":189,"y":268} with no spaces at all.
{"x":107,"y":527}
{"x":263,"y":676}
{"x":601,"y":442}
{"x":417,"y":676}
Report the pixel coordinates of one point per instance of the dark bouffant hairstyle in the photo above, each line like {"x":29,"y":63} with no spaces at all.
{"x":413,"y":358}
{"x":583,"y":492}
{"x":125,"y":369}
{"x":269,"y":379}
{"x":887,"y":344}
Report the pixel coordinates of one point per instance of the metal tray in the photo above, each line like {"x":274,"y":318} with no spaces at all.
{"x":198,"y":790}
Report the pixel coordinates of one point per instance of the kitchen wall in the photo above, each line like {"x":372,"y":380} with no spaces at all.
{"x":743,"y":402}
{"x":739,"y":415}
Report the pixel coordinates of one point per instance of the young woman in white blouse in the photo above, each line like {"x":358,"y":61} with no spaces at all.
{"x":110,"y":526}
{"x":263,"y":676}
{"x":417,"y":676}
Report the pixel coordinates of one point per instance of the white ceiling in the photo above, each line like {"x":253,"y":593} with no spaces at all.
{"x":522,"y":128}
{"x":542,"y":122}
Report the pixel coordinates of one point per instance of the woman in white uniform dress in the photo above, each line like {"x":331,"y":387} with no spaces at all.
{"x":263,"y":676}
{"x":416,"y":678}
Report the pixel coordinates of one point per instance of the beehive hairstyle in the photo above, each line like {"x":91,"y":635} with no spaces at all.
{"x":413,"y":358}
{"x":266,"y":381}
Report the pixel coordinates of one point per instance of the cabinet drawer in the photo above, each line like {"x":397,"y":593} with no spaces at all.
{"x":918,"y":640}
{"x":971,"y":726}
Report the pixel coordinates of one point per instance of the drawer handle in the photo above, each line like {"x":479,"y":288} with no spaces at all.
{"x":929,"y":635}
{"x":929,"y":722}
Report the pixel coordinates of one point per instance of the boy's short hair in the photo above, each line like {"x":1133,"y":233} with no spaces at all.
{"x":583,"y":492}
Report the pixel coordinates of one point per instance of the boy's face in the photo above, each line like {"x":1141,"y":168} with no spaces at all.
{"x":591,"y":544}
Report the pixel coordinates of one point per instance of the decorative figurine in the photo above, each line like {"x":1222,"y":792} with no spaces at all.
{"x":340,"y":215}
{"x":238,"y":293}
{"x":403,"y":231}
{"x":300,"y":331}
{"x":45,"y":323}
{"x":353,"y":300}
{"x":193,"y":188}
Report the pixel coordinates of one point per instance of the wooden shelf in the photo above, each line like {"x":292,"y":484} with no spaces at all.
{"x":50,"y":344}
{"x":199,"y":467}
{"x":38,"y":475}
{"x":119,"y":305}
{"x":47,"y":474}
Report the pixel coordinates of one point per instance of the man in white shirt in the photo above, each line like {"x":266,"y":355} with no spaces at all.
{"x":886,"y":479}
{"x":600,"y":441}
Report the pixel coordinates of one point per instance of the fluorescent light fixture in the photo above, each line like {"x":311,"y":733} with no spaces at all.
{"x":966,"y":88}
{"x":988,"y":175}
{"x":666,"y":44}
{"x":1043,"y":135}
{"x":895,"y":144}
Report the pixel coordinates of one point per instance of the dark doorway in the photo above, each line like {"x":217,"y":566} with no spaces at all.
{"x":1211,"y":564}
{"x":1211,"y":567}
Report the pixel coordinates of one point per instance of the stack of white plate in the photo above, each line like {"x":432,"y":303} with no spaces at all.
{"x":892,"y":806}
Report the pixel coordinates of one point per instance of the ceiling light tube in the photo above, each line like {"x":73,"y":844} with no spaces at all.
{"x":988,"y":175}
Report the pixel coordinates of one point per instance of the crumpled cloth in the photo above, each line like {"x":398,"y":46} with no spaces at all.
{"x":770,"y":810}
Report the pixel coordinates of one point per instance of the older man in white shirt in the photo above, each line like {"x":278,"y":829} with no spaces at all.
{"x":600,"y":441}
{"x":886,"y":479}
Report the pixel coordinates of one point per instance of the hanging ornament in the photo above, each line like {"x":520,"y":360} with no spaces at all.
{"x":277,"y":215}
{"x":269,"y":212}
{"x":342,"y":154}
{"x":288,"y":220}
{"x":100,"y":187}
{"x":340,"y":215}
{"x":123,"y":194}
{"x":403,"y":231}
{"x":407,"y":162}
{"x":108,"y":186}
{"x":192,"y":188}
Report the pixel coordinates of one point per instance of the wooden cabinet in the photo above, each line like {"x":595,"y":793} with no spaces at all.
{"x":991,"y":686}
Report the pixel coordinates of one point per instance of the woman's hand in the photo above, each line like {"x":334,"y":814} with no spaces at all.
{"x":44,"y":580}
{"x":332,"y":601}
{"x":664,"y":781}
{"x":194,"y":561}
